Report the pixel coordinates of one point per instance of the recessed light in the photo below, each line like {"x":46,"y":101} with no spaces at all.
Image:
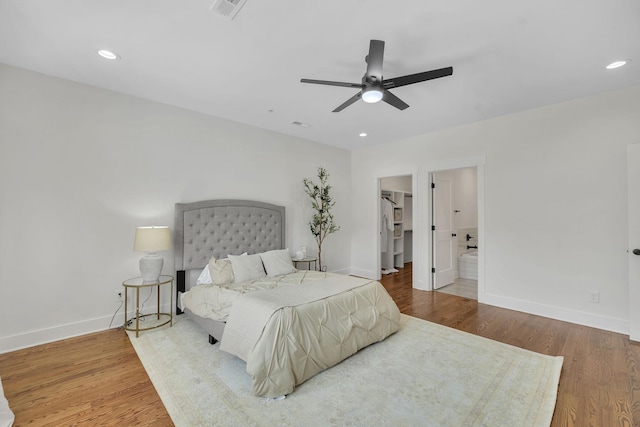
{"x":107,"y":54}
{"x":363,"y":134}
{"x":616,"y":64}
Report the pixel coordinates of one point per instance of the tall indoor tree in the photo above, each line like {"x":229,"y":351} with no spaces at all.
{"x":321,"y":224}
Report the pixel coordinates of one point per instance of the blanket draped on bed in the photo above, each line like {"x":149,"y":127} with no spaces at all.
{"x":287,"y":335}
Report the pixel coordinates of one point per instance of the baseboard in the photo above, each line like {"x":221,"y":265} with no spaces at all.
{"x":69,"y":330}
{"x":55,"y":333}
{"x":606,"y":323}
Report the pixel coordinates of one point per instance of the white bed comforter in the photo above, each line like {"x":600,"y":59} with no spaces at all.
{"x":215,"y":301}
{"x":290,"y":333}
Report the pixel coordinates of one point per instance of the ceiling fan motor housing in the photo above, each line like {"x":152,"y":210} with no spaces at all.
{"x":372,"y":90}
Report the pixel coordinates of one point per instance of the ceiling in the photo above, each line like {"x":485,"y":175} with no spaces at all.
{"x":507,"y":56}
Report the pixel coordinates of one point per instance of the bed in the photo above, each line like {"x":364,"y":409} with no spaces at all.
{"x":287,"y":325}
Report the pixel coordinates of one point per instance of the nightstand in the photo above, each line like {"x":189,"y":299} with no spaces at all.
{"x":307,"y":260}
{"x":161,"y":319}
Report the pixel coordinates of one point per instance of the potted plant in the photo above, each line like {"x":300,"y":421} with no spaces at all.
{"x":321,"y":224}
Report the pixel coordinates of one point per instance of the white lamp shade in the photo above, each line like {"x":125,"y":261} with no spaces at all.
{"x":152,"y":239}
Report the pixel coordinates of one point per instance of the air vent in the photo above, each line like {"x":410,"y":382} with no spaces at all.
{"x":301,"y":124}
{"x":228,"y":8}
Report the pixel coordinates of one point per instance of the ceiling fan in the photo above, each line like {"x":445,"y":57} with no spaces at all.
{"x":374,"y":88}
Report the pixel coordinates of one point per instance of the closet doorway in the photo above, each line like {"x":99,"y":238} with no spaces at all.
{"x":396,"y":223}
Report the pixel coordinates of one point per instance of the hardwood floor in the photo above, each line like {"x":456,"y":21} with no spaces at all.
{"x":93,"y":380}
{"x":98,"y":380}
{"x":462,"y":287}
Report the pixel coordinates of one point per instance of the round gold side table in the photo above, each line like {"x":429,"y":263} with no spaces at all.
{"x":162,"y":318}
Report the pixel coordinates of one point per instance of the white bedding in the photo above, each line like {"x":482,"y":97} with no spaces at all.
{"x":246,"y":323}
{"x":287,"y":335}
{"x":215,"y":301}
{"x":288,"y":328}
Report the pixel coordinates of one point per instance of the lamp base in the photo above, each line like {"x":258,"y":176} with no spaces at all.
{"x":151,"y":267}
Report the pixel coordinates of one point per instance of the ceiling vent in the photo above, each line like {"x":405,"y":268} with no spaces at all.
{"x":301,"y":124}
{"x":228,"y":8}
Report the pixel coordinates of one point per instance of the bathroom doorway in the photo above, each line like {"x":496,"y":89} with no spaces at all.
{"x":454,"y":228}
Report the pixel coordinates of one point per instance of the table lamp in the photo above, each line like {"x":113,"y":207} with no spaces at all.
{"x":151,"y":240}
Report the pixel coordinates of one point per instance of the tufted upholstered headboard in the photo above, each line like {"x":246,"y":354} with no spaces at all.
{"x":223,"y":227}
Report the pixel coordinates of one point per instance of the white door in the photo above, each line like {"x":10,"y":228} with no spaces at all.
{"x":443,"y":250}
{"x":633,"y":196}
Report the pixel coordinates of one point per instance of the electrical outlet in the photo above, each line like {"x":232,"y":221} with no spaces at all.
{"x":594,"y":296}
{"x":119,"y":295}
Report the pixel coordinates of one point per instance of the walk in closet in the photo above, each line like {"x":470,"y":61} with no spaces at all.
{"x":395,"y":227}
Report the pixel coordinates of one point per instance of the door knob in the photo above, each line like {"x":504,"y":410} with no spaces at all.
{"x":636,"y":251}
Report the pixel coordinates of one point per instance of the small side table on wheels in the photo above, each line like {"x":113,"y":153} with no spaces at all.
{"x":307,"y":260}
{"x":137,"y":283}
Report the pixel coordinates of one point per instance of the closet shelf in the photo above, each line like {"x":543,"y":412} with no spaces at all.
{"x":393,"y":256}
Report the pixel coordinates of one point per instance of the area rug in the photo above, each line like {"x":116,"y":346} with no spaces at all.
{"x":425,"y":374}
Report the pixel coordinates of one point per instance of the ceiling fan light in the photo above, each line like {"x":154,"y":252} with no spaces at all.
{"x":372,"y":95}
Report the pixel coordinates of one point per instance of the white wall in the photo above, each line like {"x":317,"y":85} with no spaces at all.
{"x":81,"y":167}
{"x":555,"y":204}
{"x":396,"y":183}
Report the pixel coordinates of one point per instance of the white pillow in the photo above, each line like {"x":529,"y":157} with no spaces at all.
{"x":220,"y":271}
{"x":205,"y":277}
{"x":247,"y":267}
{"x":277,"y":262}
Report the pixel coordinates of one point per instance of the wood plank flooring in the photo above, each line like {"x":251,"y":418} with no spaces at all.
{"x":93,"y":380}
{"x":462,"y":287}
{"x":97,"y":379}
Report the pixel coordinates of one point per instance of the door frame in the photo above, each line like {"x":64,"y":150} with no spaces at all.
{"x":423,"y":241}
{"x":633,"y":233}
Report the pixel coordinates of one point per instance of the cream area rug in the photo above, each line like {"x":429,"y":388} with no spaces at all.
{"x":424,"y":375}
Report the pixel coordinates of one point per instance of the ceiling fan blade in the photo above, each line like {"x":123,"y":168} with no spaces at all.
{"x":330,"y":83}
{"x":391,"y":99}
{"x":374,"y":59}
{"x":417,"y":78}
{"x":348,"y":102}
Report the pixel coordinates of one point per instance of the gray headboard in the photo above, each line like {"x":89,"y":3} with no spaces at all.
{"x":225,"y":227}
{"x":221,"y":228}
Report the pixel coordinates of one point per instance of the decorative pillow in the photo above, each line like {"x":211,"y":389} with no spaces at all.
{"x":247,"y":267}
{"x":205,"y":277}
{"x":220,"y":271}
{"x":277,"y":262}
